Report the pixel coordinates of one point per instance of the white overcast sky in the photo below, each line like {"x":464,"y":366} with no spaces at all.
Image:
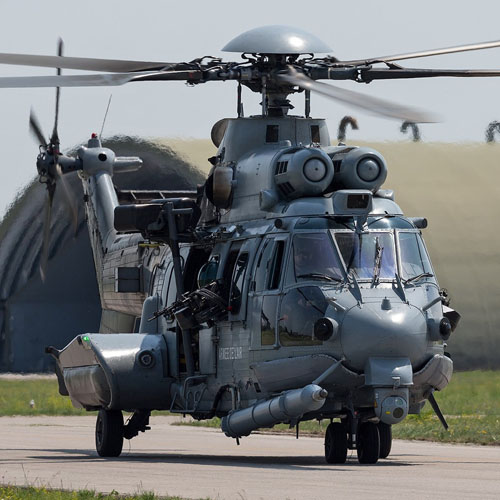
{"x":165,"y":30}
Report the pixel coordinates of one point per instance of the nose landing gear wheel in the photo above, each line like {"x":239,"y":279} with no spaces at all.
{"x":336,"y":443}
{"x":385,"y":432}
{"x":109,"y":433}
{"x":368,"y":446}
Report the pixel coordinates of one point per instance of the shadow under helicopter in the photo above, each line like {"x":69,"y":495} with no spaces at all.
{"x":312,"y":462}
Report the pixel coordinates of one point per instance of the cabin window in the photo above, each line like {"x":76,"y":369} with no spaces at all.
{"x":195,"y":262}
{"x":300,"y":309}
{"x":314,"y":257}
{"x":414,"y":259}
{"x":208,"y":272}
{"x":272,"y":133}
{"x":267,"y":319}
{"x":237,"y":283}
{"x":315,"y":137}
{"x":137,"y":324}
{"x":229,"y":267}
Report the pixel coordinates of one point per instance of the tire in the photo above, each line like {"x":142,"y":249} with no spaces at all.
{"x":368,"y":447}
{"x":336,"y":443}
{"x":385,"y":432}
{"x":109,"y":433}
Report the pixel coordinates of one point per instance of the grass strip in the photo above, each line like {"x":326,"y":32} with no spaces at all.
{"x":471,"y":404}
{"x":32,"y":493}
{"x":34,"y":397}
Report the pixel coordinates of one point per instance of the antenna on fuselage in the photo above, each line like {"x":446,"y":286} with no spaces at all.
{"x":106,"y":114}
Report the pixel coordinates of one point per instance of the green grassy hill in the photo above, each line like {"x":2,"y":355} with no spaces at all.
{"x":457,"y":187}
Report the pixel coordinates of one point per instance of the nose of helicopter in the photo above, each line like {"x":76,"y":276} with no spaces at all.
{"x":371,"y":331}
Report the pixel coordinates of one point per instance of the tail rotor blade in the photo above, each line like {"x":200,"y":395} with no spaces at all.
{"x":36,"y":129}
{"x":55,"y":137}
{"x":69,"y":198}
{"x":44,"y":259}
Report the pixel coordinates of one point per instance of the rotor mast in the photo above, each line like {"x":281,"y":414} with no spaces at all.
{"x":272,"y":50}
{"x":275,"y":102}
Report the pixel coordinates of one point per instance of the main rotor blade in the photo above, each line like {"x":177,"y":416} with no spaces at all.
{"x":365,"y":74}
{"x":392,"y":74}
{"x":368,"y":103}
{"x":82,"y":63}
{"x":98,"y":80}
{"x":424,"y":53}
{"x":36,"y":129}
{"x":104,"y":79}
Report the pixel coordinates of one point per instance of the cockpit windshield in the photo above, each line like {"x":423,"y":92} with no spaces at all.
{"x":368,"y":255}
{"x":314,"y":257}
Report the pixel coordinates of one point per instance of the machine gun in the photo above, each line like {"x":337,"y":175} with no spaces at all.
{"x":204,"y":305}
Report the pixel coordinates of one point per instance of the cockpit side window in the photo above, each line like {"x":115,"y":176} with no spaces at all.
{"x":262,"y":265}
{"x":414,"y":259}
{"x":276,"y":265}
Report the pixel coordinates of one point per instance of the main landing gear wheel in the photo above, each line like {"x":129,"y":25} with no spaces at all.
{"x":336,"y":443}
{"x":385,"y":433}
{"x":368,"y":445}
{"x":109,"y":433}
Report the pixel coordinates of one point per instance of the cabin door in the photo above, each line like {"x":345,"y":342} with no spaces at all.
{"x":266,"y":291}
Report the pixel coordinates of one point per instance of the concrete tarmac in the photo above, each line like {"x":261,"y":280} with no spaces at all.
{"x":196,"y":462}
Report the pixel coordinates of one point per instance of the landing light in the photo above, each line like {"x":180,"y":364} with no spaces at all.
{"x":325,"y":328}
{"x":445,"y":328}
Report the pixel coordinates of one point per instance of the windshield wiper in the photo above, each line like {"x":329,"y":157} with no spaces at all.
{"x":418,"y":277}
{"x":320,"y":276}
{"x":378,"y":262}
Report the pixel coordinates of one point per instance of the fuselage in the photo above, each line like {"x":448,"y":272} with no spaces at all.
{"x":325,"y":281}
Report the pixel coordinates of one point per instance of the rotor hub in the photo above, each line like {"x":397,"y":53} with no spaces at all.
{"x":276,"y":39}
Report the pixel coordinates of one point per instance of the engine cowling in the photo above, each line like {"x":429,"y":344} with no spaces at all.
{"x":303,"y":172}
{"x":359,"y":168}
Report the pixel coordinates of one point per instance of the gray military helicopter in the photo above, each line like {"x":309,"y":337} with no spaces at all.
{"x":289,"y":287}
